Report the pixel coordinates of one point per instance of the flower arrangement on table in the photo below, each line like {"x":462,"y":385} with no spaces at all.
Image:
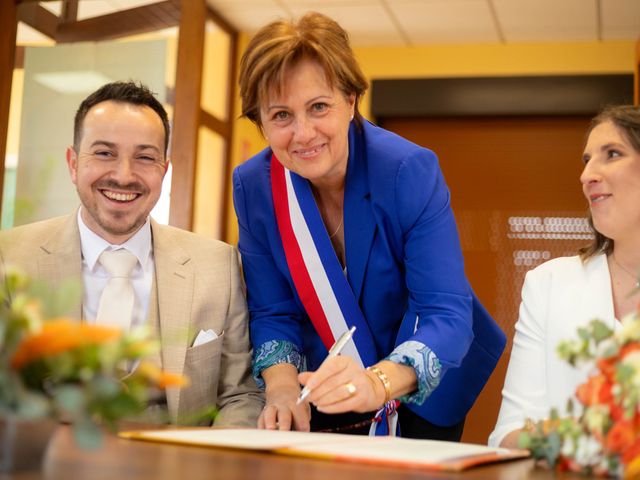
{"x":52,"y":366}
{"x":603,"y":438}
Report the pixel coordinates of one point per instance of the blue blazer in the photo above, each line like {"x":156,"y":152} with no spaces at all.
{"x":404,"y":264}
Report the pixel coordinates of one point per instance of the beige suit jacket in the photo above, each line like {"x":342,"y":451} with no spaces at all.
{"x":198,"y":287}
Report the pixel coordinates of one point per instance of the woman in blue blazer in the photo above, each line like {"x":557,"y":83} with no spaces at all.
{"x":345,"y":224}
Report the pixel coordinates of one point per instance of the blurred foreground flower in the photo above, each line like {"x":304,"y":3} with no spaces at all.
{"x":52,"y":366}
{"x":604,"y":437}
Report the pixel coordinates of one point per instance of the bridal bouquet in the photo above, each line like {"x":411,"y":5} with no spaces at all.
{"x":55,"y":367}
{"x":602,"y":434}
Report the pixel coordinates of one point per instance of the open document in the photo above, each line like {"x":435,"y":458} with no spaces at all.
{"x":392,"y":451}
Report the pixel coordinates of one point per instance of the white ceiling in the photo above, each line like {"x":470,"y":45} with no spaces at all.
{"x":419,"y":22}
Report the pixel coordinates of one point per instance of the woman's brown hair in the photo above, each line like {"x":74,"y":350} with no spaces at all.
{"x":281,"y":45}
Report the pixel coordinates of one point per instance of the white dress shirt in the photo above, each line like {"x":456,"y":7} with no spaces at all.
{"x":557,"y":297}
{"x":95,"y":277}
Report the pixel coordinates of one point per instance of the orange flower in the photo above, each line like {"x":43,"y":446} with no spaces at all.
{"x":627,"y":349}
{"x":167,"y":380}
{"x":632,"y":470}
{"x":58,"y":336}
{"x":620,"y":436}
{"x":632,"y":453}
{"x":159,"y":377}
{"x":616,"y":411}
{"x":608,"y":366}
{"x":595,"y":391}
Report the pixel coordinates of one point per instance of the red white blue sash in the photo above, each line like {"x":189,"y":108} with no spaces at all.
{"x":317,"y":274}
{"x":319,"y":280}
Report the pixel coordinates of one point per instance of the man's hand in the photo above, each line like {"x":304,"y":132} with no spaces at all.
{"x":282,"y":392}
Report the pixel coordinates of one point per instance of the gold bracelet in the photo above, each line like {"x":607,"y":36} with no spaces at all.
{"x":384,"y":379}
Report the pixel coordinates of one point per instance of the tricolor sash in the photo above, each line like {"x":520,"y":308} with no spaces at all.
{"x":316,"y":272}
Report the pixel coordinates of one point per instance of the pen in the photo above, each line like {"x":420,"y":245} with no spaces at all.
{"x":333,"y":352}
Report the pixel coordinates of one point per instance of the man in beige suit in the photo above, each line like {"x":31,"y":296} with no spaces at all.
{"x":186,"y":287}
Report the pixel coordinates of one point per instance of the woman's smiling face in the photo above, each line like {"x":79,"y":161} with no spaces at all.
{"x":611,"y":182}
{"x":307,"y":125}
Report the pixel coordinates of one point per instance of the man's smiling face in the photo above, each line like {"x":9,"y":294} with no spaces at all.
{"x":118,"y":167}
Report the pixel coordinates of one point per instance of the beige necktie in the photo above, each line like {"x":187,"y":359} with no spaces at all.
{"x":116,"y":301}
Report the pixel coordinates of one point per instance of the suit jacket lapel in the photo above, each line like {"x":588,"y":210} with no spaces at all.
{"x":174,"y":280}
{"x":360,"y":226}
{"x":598,"y":279}
{"x":60,"y":258}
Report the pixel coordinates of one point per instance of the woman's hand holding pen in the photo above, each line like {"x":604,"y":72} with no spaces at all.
{"x":341,"y":385}
{"x":281,"y":411}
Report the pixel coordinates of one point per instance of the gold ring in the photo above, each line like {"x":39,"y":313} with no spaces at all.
{"x":351,"y":388}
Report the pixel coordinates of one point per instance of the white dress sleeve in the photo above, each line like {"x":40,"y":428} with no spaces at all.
{"x":525,"y":389}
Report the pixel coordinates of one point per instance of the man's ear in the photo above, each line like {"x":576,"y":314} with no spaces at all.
{"x":166,"y":164}
{"x":72,"y":163}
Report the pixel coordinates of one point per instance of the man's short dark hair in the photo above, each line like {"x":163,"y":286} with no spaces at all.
{"x":126,"y":92}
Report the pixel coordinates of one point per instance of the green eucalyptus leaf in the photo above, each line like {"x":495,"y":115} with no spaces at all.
{"x":554,"y":445}
{"x":584,"y":333}
{"x":524,"y":440}
{"x":33,"y":405}
{"x":70,"y":398}
{"x":87,"y":434}
{"x":207,"y":415}
{"x":121,"y":406}
{"x":105,"y":388}
{"x":600,"y":330}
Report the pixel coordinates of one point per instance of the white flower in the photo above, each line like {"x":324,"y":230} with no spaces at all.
{"x":568,"y":446}
{"x":630,"y":330}
{"x":588,"y":451}
{"x":607,"y":347}
{"x":596,"y":418}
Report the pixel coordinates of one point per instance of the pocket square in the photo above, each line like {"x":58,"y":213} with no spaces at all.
{"x":204,"y":336}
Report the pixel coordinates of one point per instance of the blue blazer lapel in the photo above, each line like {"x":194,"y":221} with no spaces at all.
{"x":360,"y":226}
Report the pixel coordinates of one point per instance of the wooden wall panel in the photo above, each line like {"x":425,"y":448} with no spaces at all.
{"x":186,"y":117}
{"x":8,"y":29}
{"x":226,"y":198}
{"x":137,"y":20}
{"x":39,"y":18}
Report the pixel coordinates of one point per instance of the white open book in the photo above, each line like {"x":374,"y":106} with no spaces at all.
{"x":402,"y":452}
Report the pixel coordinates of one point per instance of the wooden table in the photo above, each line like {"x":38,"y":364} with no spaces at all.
{"x":129,"y":459}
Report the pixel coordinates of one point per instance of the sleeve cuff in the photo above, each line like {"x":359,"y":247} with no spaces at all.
{"x":274,"y":352}
{"x":426,"y":365}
